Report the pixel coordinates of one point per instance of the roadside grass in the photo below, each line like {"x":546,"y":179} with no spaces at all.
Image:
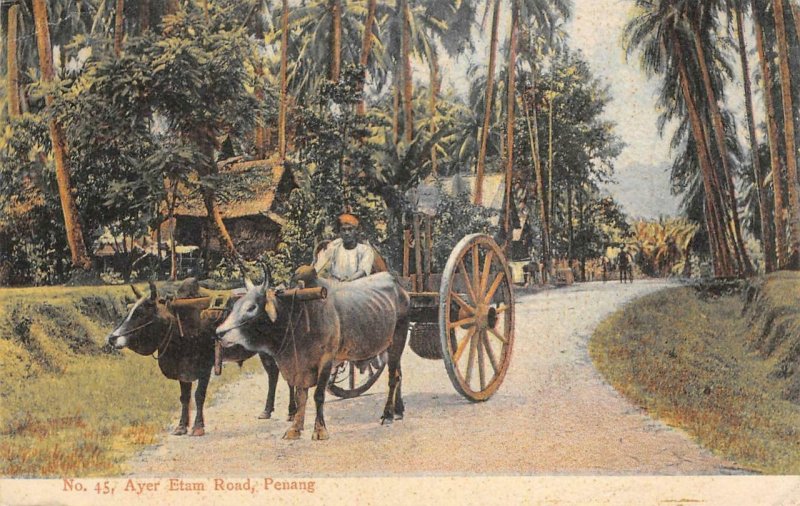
{"x":69,"y":406}
{"x":689,"y":359}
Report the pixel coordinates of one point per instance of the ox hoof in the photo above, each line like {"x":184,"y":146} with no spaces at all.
{"x":292,"y":433}
{"x":180,"y":431}
{"x":387,"y":420}
{"x":198,"y":431}
{"x":265,"y":415}
{"x":398,"y":416}
{"x":320,"y":434}
{"x":290,"y":418}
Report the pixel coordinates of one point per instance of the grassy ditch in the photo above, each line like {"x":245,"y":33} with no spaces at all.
{"x":70,"y":406}
{"x":722,"y":367}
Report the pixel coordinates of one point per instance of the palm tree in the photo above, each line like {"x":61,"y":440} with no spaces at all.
{"x":283,"y":79}
{"x":72,"y":223}
{"x":488,"y":105}
{"x":766,"y":236}
{"x":366,"y":49}
{"x":118,"y":26}
{"x":14,"y":108}
{"x":336,"y":39}
{"x":788,"y":125}
{"x":776,"y":161}
{"x":695,"y":17}
{"x":655,"y":31}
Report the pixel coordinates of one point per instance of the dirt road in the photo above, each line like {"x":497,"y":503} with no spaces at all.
{"x":553,"y":415}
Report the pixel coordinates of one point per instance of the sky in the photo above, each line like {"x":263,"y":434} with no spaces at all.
{"x":642,"y":184}
{"x":642,"y":176}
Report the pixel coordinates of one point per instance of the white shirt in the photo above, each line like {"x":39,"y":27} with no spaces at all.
{"x":343,"y":263}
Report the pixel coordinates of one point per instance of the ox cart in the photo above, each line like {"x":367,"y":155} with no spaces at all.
{"x":463,"y":315}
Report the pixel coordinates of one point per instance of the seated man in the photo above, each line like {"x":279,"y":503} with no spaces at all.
{"x":345,"y":259}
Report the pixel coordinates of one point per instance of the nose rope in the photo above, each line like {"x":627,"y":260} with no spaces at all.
{"x":135,"y":329}
{"x":167,"y":339}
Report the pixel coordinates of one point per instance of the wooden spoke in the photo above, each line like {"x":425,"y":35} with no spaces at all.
{"x":494,"y":287}
{"x":461,"y":302}
{"x":459,"y":323}
{"x":467,"y":281}
{"x":487,"y":268}
{"x":489,"y":351}
{"x":463,"y":344}
{"x":481,"y":367}
{"x":473,"y":346}
{"x":352,"y":376}
{"x":498,"y":336}
{"x":476,"y":269}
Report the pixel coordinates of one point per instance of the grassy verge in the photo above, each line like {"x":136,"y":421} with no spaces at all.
{"x":68,"y":405}
{"x":694,"y":361}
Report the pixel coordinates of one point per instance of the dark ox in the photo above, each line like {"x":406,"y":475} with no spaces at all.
{"x":357,"y":321}
{"x":185,"y":345}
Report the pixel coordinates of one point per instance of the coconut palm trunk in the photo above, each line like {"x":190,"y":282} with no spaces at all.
{"x":366,"y":49}
{"x":144,"y":15}
{"x":488,"y":105}
{"x":533,"y":138}
{"x":206,"y":143}
{"x":336,"y":39}
{"x":788,"y":126}
{"x":766,"y":236}
{"x":434,"y":93}
{"x":119,"y":29}
{"x":510,"y":103}
{"x":72,"y":223}
{"x":741,"y":256}
{"x":14,"y":109}
{"x":713,"y":218}
{"x":408,"y":85}
{"x":282,"y":101}
{"x":773,"y":137}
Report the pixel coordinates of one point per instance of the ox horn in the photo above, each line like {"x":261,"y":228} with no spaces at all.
{"x":249,"y":285}
{"x":136,"y":292}
{"x":153,"y":290}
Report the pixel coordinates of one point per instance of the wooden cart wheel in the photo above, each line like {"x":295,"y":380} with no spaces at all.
{"x":476,"y":317}
{"x":351,"y":380}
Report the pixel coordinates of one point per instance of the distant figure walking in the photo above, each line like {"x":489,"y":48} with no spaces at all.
{"x":624,"y":265}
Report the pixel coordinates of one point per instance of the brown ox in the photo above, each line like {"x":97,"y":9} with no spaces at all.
{"x":185,"y":345}
{"x":357,"y":321}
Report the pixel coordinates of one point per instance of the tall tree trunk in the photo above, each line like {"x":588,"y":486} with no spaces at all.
{"x":258,"y":69}
{"x":282,"y":102}
{"x":434,"y":93}
{"x":210,"y":200}
{"x":788,"y":126}
{"x":144,"y":15}
{"x":72,"y":223}
{"x":743,"y":259}
{"x":533,"y":138}
{"x":510,"y":103}
{"x":570,"y":228}
{"x":366,"y":49}
{"x":772,"y":135}
{"x":488,"y":105}
{"x":119,"y":29}
{"x":551,"y":106}
{"x":706,"y":166}
{"x":171,"y":7}
{"x":766,"y":236}
{"x":14,"y":109}
{"x":396,"y":104}
{"x":408,"y":89}
{"x":336,"y":39}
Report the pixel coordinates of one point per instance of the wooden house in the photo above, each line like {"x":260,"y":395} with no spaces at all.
{"x":254,"y":221}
